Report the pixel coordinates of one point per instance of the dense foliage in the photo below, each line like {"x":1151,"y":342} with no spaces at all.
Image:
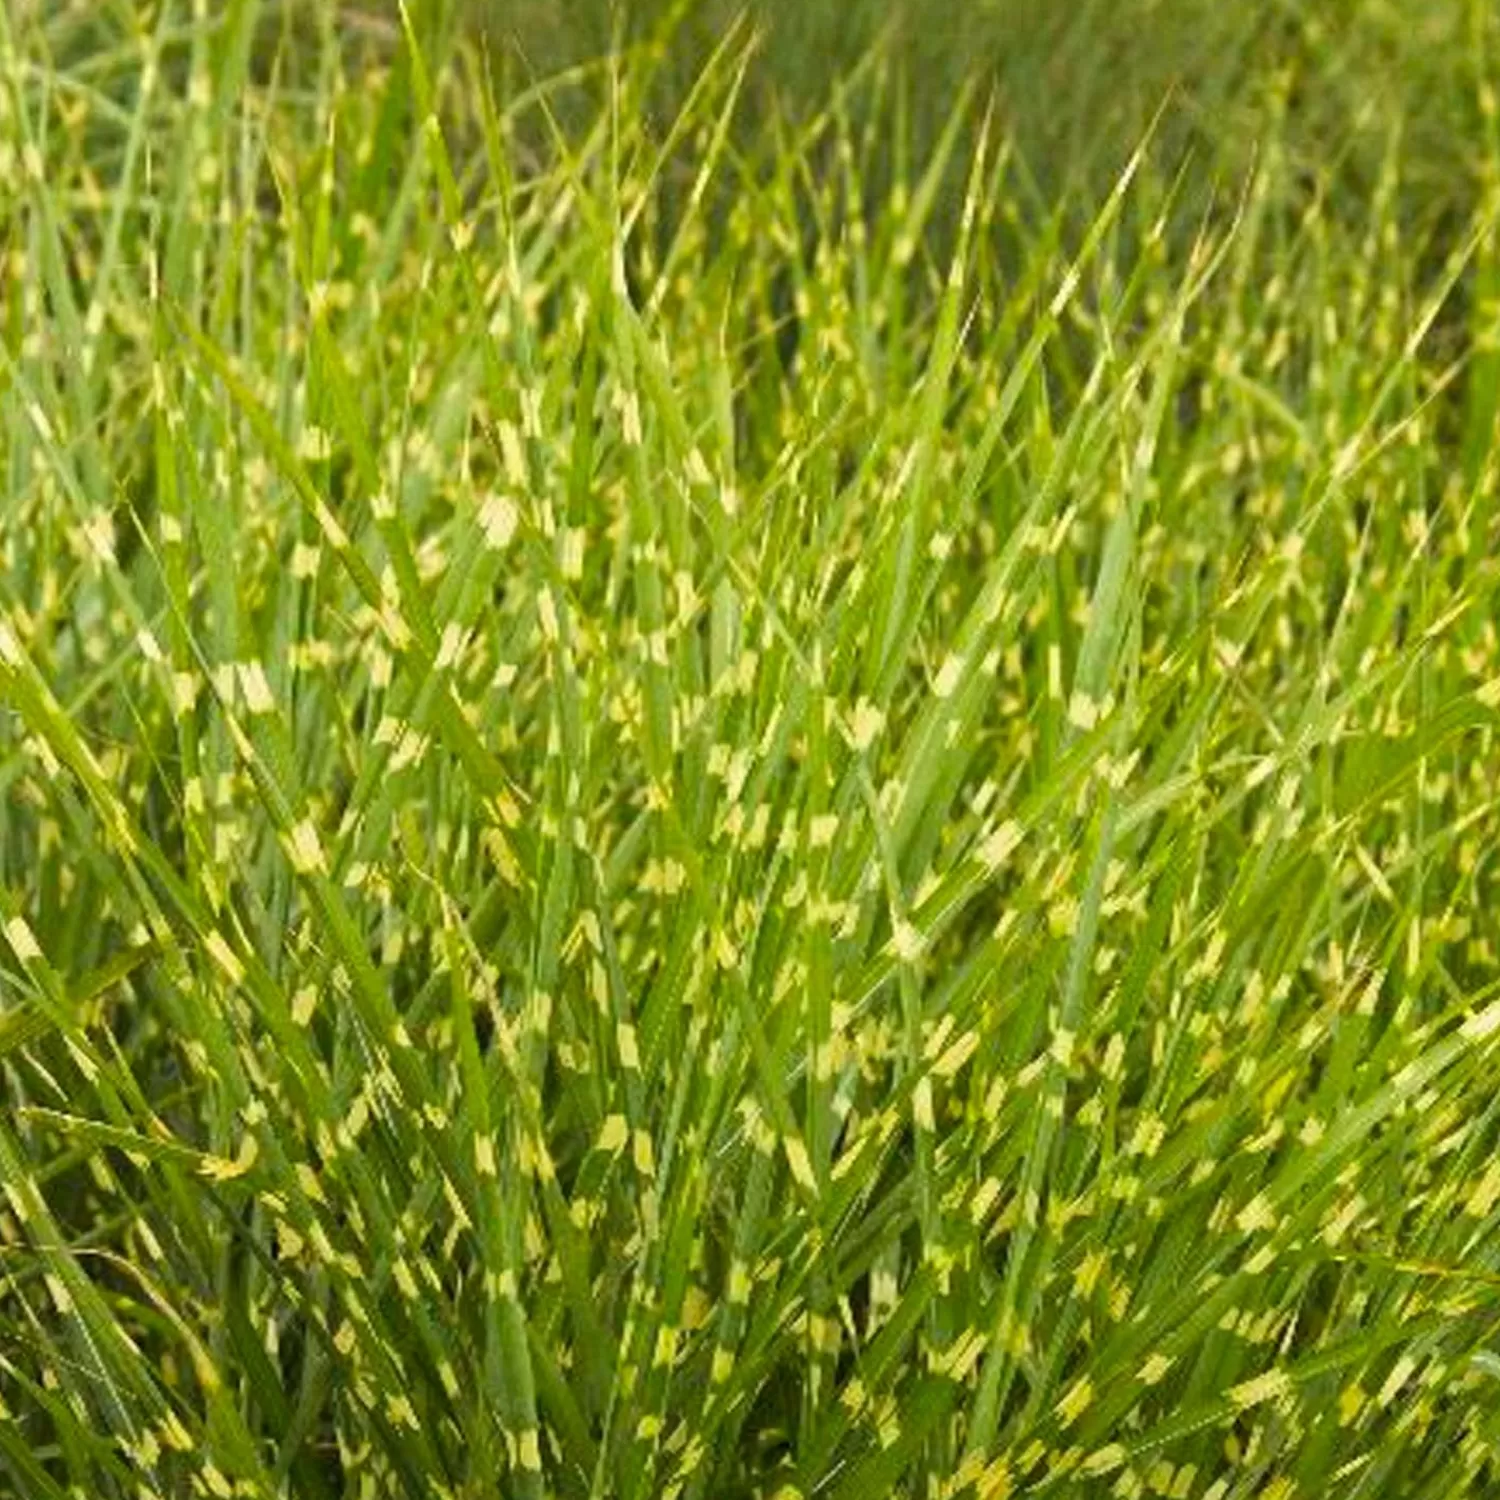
{"x":702,"y":805}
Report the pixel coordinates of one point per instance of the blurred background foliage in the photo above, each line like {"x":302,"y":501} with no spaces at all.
{"x":1336,"y":96}
{"x":1337,"y":85}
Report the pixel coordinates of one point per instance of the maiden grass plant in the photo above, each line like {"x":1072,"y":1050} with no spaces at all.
{"x":662,"y":834}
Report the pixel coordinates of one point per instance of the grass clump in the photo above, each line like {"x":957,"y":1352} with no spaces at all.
{"x":660,"y":840}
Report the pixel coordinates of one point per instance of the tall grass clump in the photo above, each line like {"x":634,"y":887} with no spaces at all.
{"x":667,"y":829}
